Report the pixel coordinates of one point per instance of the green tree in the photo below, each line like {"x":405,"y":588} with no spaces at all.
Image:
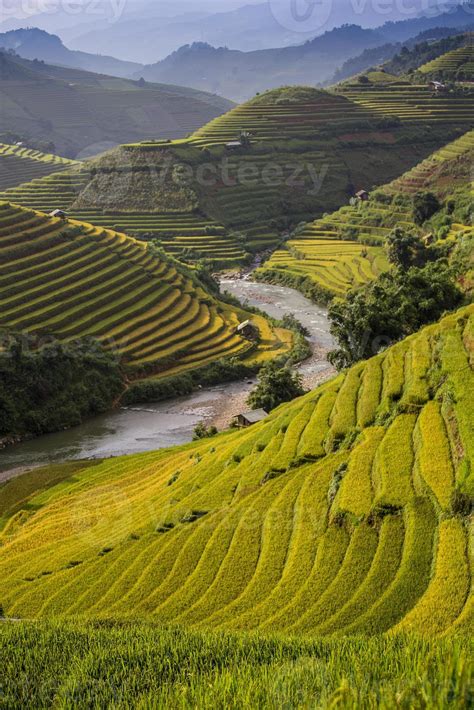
{"x":276,"y":385}
{"x":201,"y":431}
{"x":396,"y":304}
{"x":405,"y":249}
{"x":425,"y":205}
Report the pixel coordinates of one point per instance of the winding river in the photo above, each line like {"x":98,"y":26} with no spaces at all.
{"x":152,"y":426}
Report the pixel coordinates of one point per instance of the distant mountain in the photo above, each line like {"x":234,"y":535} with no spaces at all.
{"x":239,"y":75}
{"x":79,"y":113}
{"x":33,"y":43}
{"x":146,"y":34}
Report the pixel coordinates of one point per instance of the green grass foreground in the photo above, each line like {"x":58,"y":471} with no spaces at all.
{"x":144,"y":666}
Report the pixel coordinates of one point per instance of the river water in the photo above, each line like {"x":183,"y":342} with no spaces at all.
{"x":152,"y":426}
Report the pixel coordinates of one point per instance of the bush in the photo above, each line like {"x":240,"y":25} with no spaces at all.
{"x":201,"y":431}
{"x":462,"y":504}
{"x":425,"y":205}
{"x":276,"y":385}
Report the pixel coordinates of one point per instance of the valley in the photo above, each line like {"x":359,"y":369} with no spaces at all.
{"x":142,"y":427}
{"x":237,"y":382}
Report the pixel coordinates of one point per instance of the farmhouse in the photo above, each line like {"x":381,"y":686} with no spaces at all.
{"x":248,"y":330}
{"x":437,"y":86}
{"x":362,"y":195}
{"x":58,"y":213}
{"x":248,"y":418}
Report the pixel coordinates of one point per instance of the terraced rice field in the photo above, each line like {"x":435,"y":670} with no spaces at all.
{"x":411,"y":103}
{"x":19,"y":164}
{"x":449,"y":64}
{"x":72,"y":279}
{"x":334,"y":265}
{"x":268,"y":119}
{"x":344,"y":250}
{"x":184,"y":235}
{"x":181,"y":234}
{"x":429,"y":173}
{"x":341,"y":251}
{"x":332,"y":516}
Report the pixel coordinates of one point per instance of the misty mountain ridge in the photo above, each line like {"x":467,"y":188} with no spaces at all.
{"x":239,"y":75}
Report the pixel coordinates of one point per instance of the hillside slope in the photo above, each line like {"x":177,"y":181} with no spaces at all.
{"x":70,"y":279}
{"x":20,"y":164}
{"x":457,"y":64}
{"x":344,"y":249}
{"x":400,"y":59}
{"x":33,"y":43}
{"x":308,"y":151}
{"x":344,"y":511}
{"x":87,"y":113}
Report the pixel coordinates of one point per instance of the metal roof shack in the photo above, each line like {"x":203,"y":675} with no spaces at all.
{"x":58,"y":213}
{"x":253,"y":417}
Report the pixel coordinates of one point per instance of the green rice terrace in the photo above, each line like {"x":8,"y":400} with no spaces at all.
{"x":73,"y":279}
{"x":184,"y":231}
{"x":344,"y":250}
{"x":345,"y":511}
{"x":457,"y":64}
{"x":298,"y":152}
{"x":19,"y":164}
{"x":413,"y":104}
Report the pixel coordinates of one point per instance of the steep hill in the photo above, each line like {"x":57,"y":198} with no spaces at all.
{"x":344,"y":511}
{"x":86,"y":113}
{"x":400,"y":59}
{"x":457,"y":64}
{"x":306,"y":153}
{"x":20,"y":164}
{"x":69,"y":279}
{"x":424,"y":53}
{"x":344,"y":249}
